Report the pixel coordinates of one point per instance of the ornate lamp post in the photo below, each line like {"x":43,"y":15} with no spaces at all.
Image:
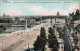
{"x":51,"y":22}
{"x":26,"y":24}
{"x":27,"y":35}
{"x":28,"y":41}
{"x":11,"y":23}
{"x":40,"y":20}
{"x":2,"y":41}
{"x":2,"y":36}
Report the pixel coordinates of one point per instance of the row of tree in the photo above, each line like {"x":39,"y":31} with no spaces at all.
{"x":42,"y":40}
{"x":5,"y":21}
{"x":2,"y":28}
{"x":52,"y":41}
{"x":75,"y":15}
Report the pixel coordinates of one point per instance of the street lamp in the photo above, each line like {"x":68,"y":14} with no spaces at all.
{"x":25,"y":42}
{"x":28,"y":40}
{"x":19,"y":26}
{"x":51,"y":22}
{"x":28,"y":43}
{"x":11,"y":23}
{"x":2,"y":41}
{"x":40,"y":20}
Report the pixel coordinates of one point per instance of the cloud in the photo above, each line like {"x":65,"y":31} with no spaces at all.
{"x":74,"y":7}
{"x":42,"y":11}
{"x":13,"y":12}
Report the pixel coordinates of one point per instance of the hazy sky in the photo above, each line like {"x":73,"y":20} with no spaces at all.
{"x":29,"y":7}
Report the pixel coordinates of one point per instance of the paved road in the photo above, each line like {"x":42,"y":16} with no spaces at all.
{"x":66,"y":41}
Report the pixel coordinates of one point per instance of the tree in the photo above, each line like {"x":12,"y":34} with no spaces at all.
{"x":60,"y":33}
{"x":75,"y":15}
{"x":16,"y":19}
{"x":11,"y":21}
{"x":2,"y":28}
{"x":27,"y":49}
{"x":51,"y":31}
{"x":51,"y":37}
{"x":71,"y":14}
{"x":55,"y":48}
{"x":52,"y":40}
{"x":53,"y":43}
{"x":59,"y":29}
{"x":39,"y":44}
{"x":43,"y":33}
{"x":43,"y":36}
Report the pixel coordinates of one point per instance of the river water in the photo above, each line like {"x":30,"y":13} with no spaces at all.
{"x":15,"y":28}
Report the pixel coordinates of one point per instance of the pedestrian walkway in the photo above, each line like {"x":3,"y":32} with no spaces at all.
{"x":14,"y":46}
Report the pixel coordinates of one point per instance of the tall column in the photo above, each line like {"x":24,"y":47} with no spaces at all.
{"x":55,"y":21}
{"x":26,"y":24}
{"x":12,"y":27}
{"x":2,"y":41}
{"x":55,"y":24}
{"x":51,"y":22}
{"x":19,"y":27}
{"x":40,"y":20}
{"x":11,"y":23}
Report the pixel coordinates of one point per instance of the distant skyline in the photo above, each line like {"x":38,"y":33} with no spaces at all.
{"x":37,"y":8}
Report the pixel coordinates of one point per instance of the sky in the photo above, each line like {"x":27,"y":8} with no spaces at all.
{"x":37,"y":7}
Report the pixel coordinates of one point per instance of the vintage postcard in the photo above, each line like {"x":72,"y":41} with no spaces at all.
{"x":39,"y":25}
